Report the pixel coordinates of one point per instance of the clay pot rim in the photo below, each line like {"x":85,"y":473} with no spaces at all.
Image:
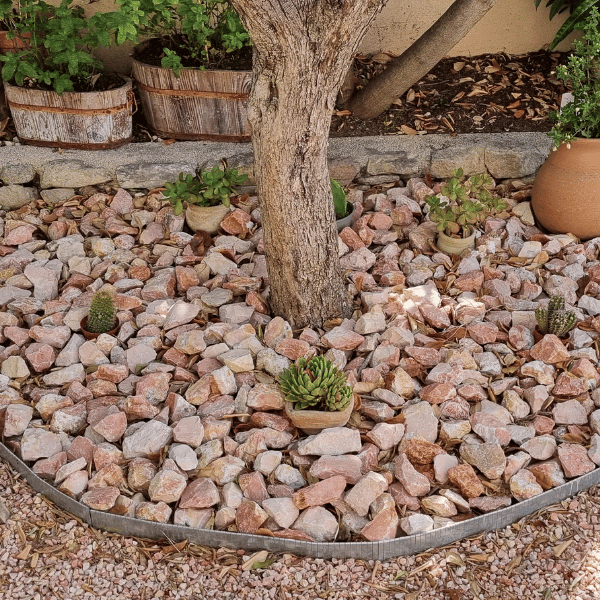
{"x":538,"y":336}
{"x":90,"y":335}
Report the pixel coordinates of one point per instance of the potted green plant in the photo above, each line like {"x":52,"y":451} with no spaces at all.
{"x":207,"y":196}
{"x":566,"y":192}
{"x":102,"y":317}
{"x":194,"y":73}
{"x":317,"y":394}
{"x":344,"y":210}
{"x":465,"y":202}
{"x":55,"y":88}
{"x":554,"y":319}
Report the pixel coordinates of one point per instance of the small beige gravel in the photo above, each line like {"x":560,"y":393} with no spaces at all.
{"x":46,"y":554}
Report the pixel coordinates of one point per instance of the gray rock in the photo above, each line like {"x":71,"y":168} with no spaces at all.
{"x":470,"y":157}
{"x":39,"y":443}
{"x":45,"y":282}
{"x":72,"y":173}
{"x":15,"y":174}
{"x":70,"y":374}
{"x":513,"y":159}
{"x":404,"y":163}
{"x":56,"y":195}
{"x":13,"y":197}
{"x":151,"y":175}
{"x":318,"y":523}
{"x":149,"y":439}
{"x":332,"y":441}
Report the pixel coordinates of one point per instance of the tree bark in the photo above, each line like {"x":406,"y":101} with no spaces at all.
{"x":302,"y":50}
{"x":418,"y":59}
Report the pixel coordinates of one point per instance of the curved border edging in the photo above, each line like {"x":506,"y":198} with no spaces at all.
{"x":383,"y":550}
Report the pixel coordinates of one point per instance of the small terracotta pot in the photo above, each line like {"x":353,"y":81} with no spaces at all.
{"x":345,"y":221}
{"x":90,"y":335}
{"x":566,"y":192}
{"x":314,"y":421}
{"x":538,"y":336}
{"x":205,"y":218}
{"x":450,"y":245}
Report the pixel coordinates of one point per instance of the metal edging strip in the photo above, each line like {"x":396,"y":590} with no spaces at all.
{"x":383,"y":550}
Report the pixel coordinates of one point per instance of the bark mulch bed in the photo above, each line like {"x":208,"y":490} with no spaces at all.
{"x":491,"y":93}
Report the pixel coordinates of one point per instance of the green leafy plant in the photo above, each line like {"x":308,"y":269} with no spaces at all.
{"x":555,"y":319}
{"x":581,"y":116}
{"x":316,"y":384}
{"x":61,"y":40}
{"x":103,"y":313}
{"x":580,"y":11}
{"x":193,"y":33}
{"x":340,"y":202}
{"x":205,"y":188}
{"x":464,"y":203}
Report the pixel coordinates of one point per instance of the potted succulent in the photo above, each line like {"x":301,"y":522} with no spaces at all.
{"x":554,"y":319}
{"x":465,"y":202}
{"x":317,"y":394}
{"x":207,"y":196}
{"x":566,"y":191}
{"x":102,"y":317}
{"x":194,"y":73}
{"x":344,"y":210}
{"x":56,"y":90}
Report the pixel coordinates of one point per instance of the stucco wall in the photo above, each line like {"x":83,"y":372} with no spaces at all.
{"x":512,"y":26}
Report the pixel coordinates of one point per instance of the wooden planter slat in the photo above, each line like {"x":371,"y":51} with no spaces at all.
{"x":198,"y":105}
{"x":89,"y":121}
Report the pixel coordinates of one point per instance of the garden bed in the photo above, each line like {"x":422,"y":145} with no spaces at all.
{"x":178,"y":418}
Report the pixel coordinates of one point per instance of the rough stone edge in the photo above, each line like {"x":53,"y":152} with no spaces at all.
{"x":357,"y":149}
{"x":383,"y":550}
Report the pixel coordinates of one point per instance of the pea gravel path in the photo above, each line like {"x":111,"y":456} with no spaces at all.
{"x":46,"y":554}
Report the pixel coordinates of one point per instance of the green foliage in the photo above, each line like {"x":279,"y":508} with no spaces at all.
{"x":581,"y":116}
{"x":555,"y":319}
{"x":205,"y":188}
{"x":103,"y":313}
{"x":467,"y":202}
{"x":340,"y":202}
{"x":61,"y":43}
{"x":580,"y":11}
{"x":206,"y":29}
{"x":316,"y":384}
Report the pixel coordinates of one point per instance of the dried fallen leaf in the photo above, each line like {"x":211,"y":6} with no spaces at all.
{"x":408,"y":130}
{"x":257,"y":557}
{"x":559,"y":549}
{"x":458,"y":66}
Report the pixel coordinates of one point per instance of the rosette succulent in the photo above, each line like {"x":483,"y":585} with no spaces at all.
{"x":555,"y":319}
{"x":316,"y":384}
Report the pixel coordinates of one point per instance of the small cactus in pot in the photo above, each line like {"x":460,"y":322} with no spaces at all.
{"x":103,"y":313}
{"x":555,"y":319}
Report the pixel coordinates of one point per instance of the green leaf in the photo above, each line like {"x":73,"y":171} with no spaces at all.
{"x":575,"y":21}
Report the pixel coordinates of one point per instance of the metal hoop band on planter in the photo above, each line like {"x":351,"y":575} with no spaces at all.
{"x":383,"y":550}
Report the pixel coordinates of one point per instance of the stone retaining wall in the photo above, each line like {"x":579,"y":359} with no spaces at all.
{"x":369,"y":160}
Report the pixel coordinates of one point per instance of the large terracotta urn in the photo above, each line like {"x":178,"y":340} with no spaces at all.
{"x":566,"y":192}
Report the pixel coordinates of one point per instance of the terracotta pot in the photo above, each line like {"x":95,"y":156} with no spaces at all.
{"x":205,"y":218}
{"x":314,"y":421}
{"x":20,"y":42}
{"x":90,"y":335}
{"x":450,"y":245}
{"x":538,"y":336}
{"x":566,"y":192}
{"x":345,"y":221}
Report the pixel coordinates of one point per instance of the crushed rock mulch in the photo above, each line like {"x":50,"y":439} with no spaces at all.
{"x":179,"y":418}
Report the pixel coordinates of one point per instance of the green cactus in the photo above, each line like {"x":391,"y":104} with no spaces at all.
{"x":555,"y":319}
{"x":316,"y":384}
{"x":103,"y":314}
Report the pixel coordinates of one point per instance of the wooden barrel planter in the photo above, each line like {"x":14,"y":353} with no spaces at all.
{"x":197,"y":105}
{"x":86,"y":121}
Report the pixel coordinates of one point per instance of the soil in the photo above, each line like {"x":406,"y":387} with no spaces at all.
{"x":153,"y":52}
{"x":490,"y":93}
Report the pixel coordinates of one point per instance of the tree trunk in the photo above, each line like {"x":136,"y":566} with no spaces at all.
{"x":418,"y":59}
{"x":301,"y":53}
